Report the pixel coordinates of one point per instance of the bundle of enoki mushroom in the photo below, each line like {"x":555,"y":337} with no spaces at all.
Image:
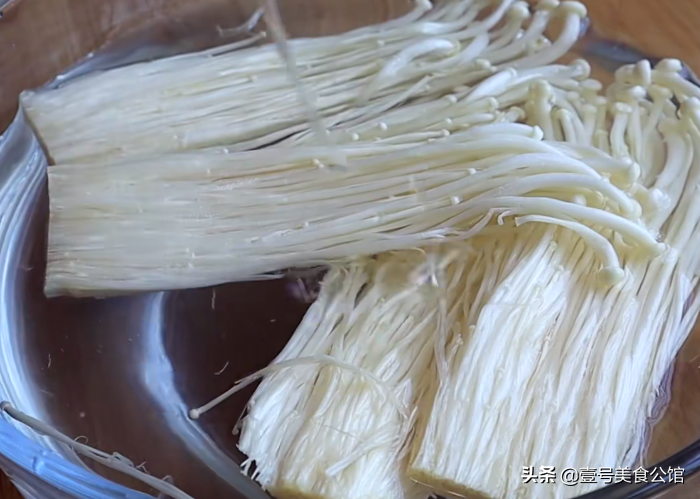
{"x":242,"y":99}
{"x":526,"y":341}
{"x":187,"y":220}
{"x":531,"y":274}
{"x":197,"y":225}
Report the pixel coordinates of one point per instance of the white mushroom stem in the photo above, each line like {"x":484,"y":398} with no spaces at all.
{"x":670,"y":182}
{"x":621,"y":113}
{"x":393,"y":66}
{"x":544,"y":206}
{"x":632,"y":97}
{"x":541,"y":96}
{"x":573,"y":13}
{"x":535,"y":30}
{"x":486,"y":24}
{"x":517,"y":14}
{"x":689,"y":203}
{"x":611,"y":273}
{"x":670,"y":77}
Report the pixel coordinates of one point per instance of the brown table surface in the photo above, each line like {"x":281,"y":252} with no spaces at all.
{"x":658,"y":27}
{"x":7,"y":491}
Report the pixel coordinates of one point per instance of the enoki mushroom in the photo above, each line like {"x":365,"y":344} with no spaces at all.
{"x":225,"y":98}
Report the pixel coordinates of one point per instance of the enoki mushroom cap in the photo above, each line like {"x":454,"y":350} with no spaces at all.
{"x":669,"y":66}
{"x":610,"y":276}
{"x":542,"y":90}
{"x":519,"y":11}
{"x":625,"y":74}
{"x":575,"y":8}
{"x":658,"y":92}
{"x":581,"y":69}
{"x":642,"y":71}
{"x":547,"y":5}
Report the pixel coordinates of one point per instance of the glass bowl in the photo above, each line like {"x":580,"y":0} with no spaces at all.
{"x":121,"y":373}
